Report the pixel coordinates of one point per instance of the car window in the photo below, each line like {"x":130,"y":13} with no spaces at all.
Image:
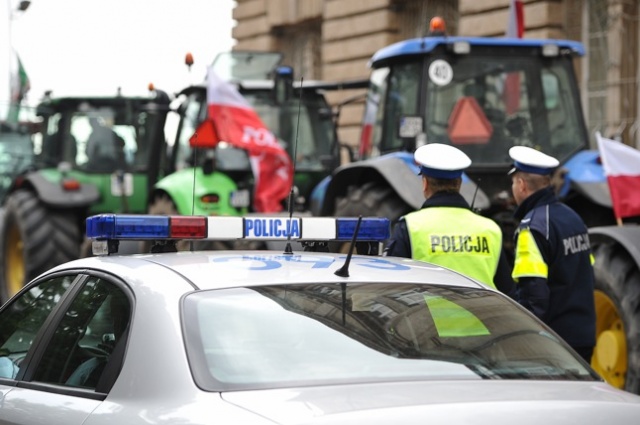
{"x":321,"y":334}
{"x":23,"y":318}
{"x":85,"y":339}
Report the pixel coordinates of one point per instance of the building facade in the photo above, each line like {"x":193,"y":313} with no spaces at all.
{"x":333,"y":40}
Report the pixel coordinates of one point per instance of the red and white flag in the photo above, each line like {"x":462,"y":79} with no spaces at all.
{"x":366,"y":137}
{"x":621,"y":165}
{"x":515,"y":24}
{"x":515,"y":29}
{"x":233,"y":120}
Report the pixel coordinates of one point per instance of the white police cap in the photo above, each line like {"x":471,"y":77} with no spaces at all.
{"x":532,"y":161}
{"x":441,"y":161}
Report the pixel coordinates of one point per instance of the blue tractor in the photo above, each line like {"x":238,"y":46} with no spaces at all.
{"x":485,"y":95}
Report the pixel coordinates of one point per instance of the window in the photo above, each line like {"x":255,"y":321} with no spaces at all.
{"x":102,"y":139}
{"x":374,"y":114}
{"x":304,"y":120}
{"x":319,"y":334}
{"x":16,"y":155}
{"x":22,"y":320}
{"x":401,"y":100}
{"x":86,"y":336}
{"x":193,"y":113}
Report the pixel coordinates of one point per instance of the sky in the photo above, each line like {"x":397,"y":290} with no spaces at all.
{"x":93,"y":47}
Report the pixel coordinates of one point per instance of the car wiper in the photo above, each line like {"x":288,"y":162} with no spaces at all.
{"x":483,"y":371}
{"x":541,"y":372}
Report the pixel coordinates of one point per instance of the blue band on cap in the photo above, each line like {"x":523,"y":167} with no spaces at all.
{"x":440,"y":174}
{"x":531,"y":169}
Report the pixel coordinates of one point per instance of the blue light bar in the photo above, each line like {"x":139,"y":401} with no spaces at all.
{"x":136,"y":227}
{"x":258,"y":227}
{"x":371,"y":229}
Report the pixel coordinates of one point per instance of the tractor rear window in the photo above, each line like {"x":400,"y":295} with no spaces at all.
{"x":100,"y":138}
{"x":483,"y":103}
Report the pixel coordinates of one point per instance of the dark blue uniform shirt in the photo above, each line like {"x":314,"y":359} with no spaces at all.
{"x":564,"y":300}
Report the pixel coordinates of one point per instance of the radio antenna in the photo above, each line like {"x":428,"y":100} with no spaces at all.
{"x":344,"y":270}
{"x":193,"y":186}
{"x":475,"y":192}
{"x":287,"y":249}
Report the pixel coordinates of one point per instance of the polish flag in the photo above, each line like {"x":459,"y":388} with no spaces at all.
{"x":515,"y":25}
{"x":366,"y":137}
{"x":515,"y":29}
{"x":232,"y":119}
{"x":621,"y":165}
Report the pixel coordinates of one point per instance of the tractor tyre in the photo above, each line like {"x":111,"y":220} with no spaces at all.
{"x":617,"y":297}
{"x":34,"y":239}
{"x":369,"y":200}
{"x":86,"y":248}
{"x":163,"y":205}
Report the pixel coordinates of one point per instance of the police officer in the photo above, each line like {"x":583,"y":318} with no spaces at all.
{"x":445,"y":231}
{"x":553,"y":266}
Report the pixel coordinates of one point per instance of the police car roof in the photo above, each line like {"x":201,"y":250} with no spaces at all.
{"x":223,"y":269}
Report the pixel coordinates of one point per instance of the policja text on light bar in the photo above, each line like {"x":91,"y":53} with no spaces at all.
{"x":153,"y":227}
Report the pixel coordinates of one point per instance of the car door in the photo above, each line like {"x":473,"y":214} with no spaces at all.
{"x":65,"y":338}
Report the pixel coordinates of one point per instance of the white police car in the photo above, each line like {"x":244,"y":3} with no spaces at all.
{"x":281,"y":338}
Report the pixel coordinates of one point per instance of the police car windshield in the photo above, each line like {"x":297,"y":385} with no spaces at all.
{"x":320,"y":334}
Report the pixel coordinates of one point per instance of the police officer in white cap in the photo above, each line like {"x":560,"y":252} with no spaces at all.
{"x":553,"y":262}
{"x":445,"y":231}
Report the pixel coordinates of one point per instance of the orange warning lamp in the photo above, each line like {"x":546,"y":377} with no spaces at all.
{"x":188,"y":59}
{"x":437,"y":26}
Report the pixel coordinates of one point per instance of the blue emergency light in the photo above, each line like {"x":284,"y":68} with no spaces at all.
{"x":112,"y":227}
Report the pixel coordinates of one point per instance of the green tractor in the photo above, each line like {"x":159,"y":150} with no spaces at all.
{"x":91,"y":155}
{"x":16,"y":152}
{"x":220,"y":181}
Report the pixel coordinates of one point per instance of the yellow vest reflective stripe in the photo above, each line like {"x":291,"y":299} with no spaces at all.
{"x":456,"y":238}
{"x":528,"y":261}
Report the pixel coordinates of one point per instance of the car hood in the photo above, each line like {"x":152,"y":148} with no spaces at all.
{"x":463,"y":402}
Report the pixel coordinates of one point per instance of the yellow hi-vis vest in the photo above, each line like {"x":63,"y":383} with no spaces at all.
{"x":456,"y":238}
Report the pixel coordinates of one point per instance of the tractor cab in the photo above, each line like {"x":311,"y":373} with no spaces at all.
{"x":482,"y":95}
{"x":98,"y":135}
{"x":297,"y":113}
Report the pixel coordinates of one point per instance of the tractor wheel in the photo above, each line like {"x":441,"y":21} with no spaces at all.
{"x":86,"y":248}
{"x":617,"y":297}
{"x":163,"y":205}
{"x":34,"y":239}
{"x":369,"y":200}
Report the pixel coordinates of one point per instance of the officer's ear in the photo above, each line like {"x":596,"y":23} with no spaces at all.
{"x":521,"y":183}
{"x":514,"y":179}
{"x":518,"y":181}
